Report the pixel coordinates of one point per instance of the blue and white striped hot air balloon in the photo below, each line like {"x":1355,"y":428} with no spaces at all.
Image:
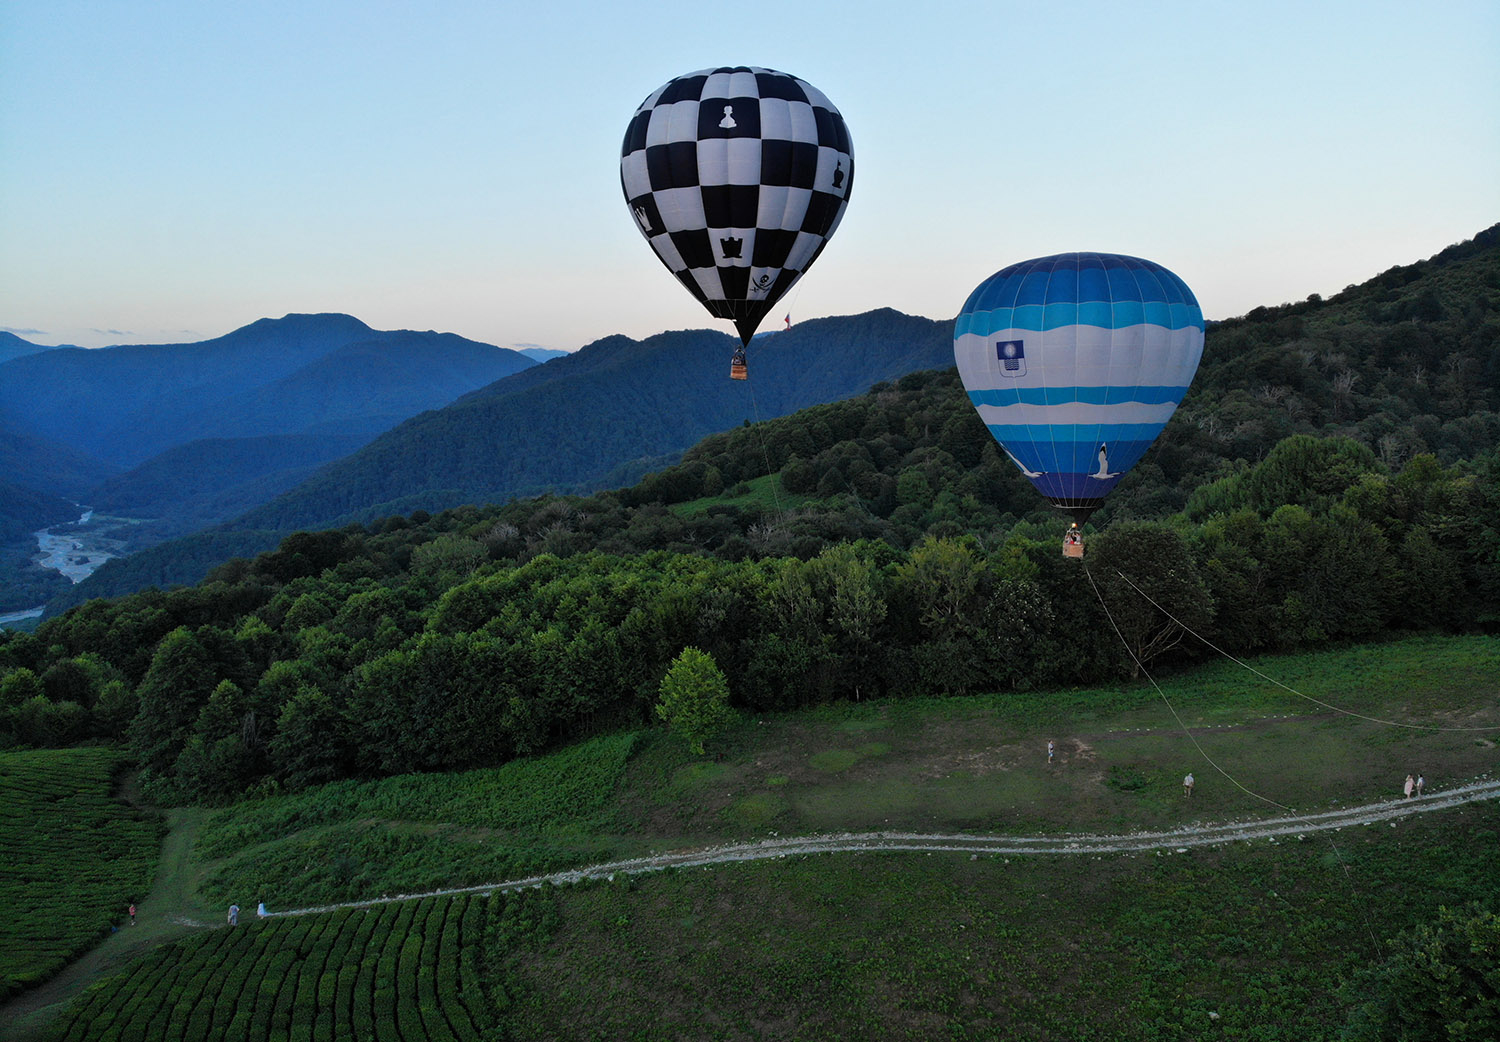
{"x":1075,"y":363}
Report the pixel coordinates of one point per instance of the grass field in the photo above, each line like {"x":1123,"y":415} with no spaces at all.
{"x":72,"y":859}
{"x":875,"y":945}
{"x":979,"y":764}
{"x":765,"y":492}
{"x":912,"y":946}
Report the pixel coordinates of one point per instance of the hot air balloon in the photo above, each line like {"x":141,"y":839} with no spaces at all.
{"x":737,"y":177}
{"x":1075,"y":363}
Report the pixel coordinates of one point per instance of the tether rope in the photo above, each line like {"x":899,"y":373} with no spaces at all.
{"x":1284,"y":687}
{"x":1171,"y":708}
{"x":772,"y":477}
{"x":1337,"y":853}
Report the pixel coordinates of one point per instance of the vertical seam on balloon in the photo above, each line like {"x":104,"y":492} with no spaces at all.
{"x":1042,"y":332}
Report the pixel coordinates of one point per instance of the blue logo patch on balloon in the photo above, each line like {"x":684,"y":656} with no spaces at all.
{"x":1012,"y":356}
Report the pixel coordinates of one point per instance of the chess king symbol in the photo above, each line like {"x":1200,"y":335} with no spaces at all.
{"x":731,"y":247}
{"x":1012,"y":356}
{"x":838,"y":175}
{"x":728,"y":122}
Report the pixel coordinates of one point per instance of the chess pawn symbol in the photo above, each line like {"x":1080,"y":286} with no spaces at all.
{"x":728,"y":122}
{"x":838,"y":175}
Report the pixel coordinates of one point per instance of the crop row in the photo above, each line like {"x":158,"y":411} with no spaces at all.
{"x":72,"y":859}
{"x":399,"y":972}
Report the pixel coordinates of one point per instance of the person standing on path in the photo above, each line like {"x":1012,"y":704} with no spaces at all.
{"x":260,"y":910}
{"x":1187,"y":785}
{"x":1050,"y":749}
{"x":1409,"y":786}
{"x":1421,"y":781}
{"x":234,"y":915}
{"x":132,"y":915}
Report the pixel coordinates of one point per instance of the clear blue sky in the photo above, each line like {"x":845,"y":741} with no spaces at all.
{"x":172,"y":170}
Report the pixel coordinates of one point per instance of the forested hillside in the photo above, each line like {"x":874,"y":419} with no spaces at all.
{"x":196,"y":485}
{"x":1308,"y":491}
{"x":182,"y":436}
{"x":599,"y":418}
{"x":568,"y":426}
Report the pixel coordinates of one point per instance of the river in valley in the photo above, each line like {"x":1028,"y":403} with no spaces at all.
{"x":76,"y":549}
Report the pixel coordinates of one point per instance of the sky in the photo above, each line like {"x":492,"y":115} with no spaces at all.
{"x":172,"y":170}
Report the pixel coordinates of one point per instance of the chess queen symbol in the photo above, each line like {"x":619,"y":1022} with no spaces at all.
{"x":1012,"y":356}
{"x":728,"y":122}
{"x":731,"y":247}
{"x":838,"y":175}
{"x":643,"y":219}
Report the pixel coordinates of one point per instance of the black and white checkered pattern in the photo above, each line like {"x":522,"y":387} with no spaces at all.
{"x":737,"y":177}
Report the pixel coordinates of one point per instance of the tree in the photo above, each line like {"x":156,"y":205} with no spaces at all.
{"x":695,"y":698}
{"x":170,"y":696}
{"x":226,"y":751}
{"x":1134,"y":561}
{"x":938,"y":600}
{"x":309,"y":746}
{"x":19,"y":686}
{"x":1442,"y":980}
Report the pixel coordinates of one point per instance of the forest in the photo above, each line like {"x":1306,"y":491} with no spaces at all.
{"x":1333,"y":476}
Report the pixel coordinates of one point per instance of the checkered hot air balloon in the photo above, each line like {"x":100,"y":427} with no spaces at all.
{"x":737,"y":177}
{"x":1075,"y":363}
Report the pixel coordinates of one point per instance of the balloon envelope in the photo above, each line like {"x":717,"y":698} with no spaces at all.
{"x":737,"y":177}
{"x":1075,"y":363}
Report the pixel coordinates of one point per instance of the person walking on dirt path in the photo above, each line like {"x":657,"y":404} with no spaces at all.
{"x":1410,"y":785}
{"x":1421,"y":781}
{"x":260,"y":910}
{"x":132,"y":915}
{"x":1050,"y":749}
{"x":1187,"y":785}
{"x":234,"y":915}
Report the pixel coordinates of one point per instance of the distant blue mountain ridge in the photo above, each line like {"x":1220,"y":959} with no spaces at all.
{"x":191,"y":434}
{"x":274,"y":376}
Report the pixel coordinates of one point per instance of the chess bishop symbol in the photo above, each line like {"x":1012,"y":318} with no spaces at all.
{"x":838,"y":175}
{"x":731,"y":247}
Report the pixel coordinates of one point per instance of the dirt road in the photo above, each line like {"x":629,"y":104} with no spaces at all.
{"x":1181,"y":839}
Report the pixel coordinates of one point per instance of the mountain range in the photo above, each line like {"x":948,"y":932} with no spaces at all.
{"x":182,"y":436}
{"x":603,"y":416}
{"x":12,"y":346}
{"x":298,"y":374}
{"x":1404,"y":362}
{"x":314,"y":420}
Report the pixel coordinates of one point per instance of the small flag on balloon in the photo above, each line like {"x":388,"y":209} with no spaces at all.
{"x":788,"y":321}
